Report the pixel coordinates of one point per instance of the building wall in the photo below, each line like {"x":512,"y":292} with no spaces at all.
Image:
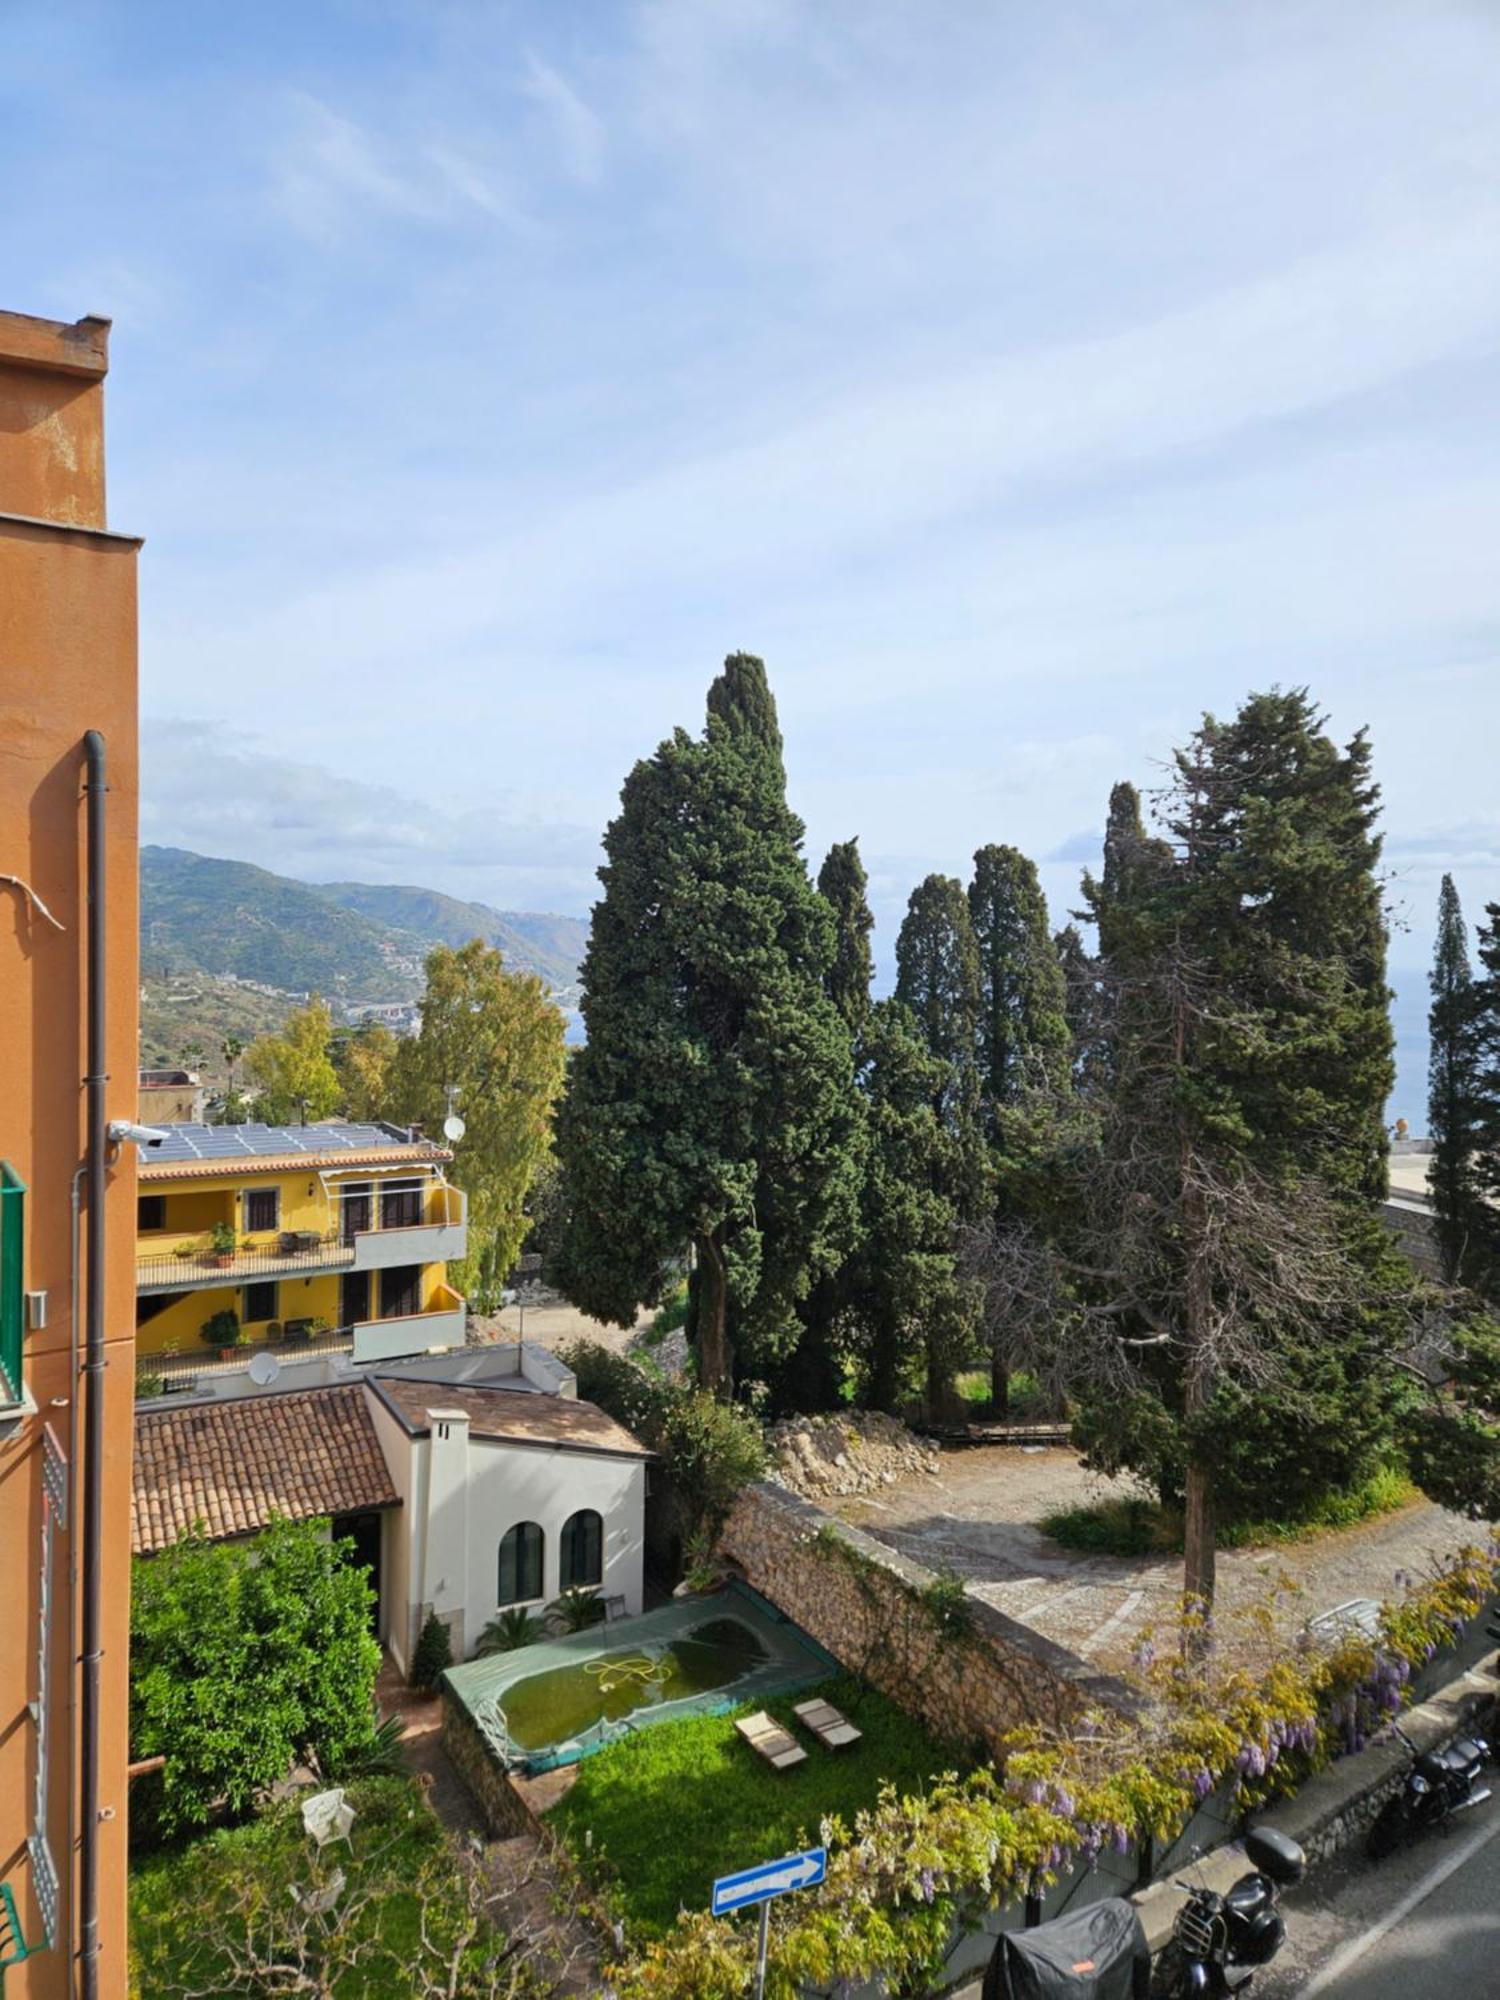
{"x":175,"y":1330}
{"x":454,"y":1527}
{"x":67,"y":665}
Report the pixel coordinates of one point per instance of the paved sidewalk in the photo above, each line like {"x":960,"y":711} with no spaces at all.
{"x":977,"y":1518}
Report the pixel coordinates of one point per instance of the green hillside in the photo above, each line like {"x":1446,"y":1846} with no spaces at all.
{"x":351,"y":941}
{"x":548,"y":945}
{"x":199,"y":914}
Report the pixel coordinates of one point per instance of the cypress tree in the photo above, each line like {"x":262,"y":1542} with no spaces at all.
{"x":1482,"y":1264}
{"x":911,"y":1317}
{"x":1453,"y":1091}
{"x":842,"y":883}
{"x":812,"y":1376}
{"x":1023,"y":1022}
{"x":711,"y":1105}
{"x":937,"y":977}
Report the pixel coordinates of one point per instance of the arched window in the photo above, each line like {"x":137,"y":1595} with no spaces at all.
{"x":521,"y":1564}
{"x":583,"y":1550}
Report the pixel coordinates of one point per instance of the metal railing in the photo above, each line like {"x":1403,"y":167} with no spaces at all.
{"x":175,"y":1272}
{"x":189,"y":1262}
{"x":176,"y":1372}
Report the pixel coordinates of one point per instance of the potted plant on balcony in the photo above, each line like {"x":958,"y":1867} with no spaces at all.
{"x":222,"y":1244}
{"x":222,"y":1330}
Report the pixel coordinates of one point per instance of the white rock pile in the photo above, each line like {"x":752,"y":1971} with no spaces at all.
{"x":857,"y":1451}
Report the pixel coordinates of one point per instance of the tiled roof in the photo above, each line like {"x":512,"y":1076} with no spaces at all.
{"x":206,"y":1149}
{"x":512,"y":1415}
{"x":233,"y":1464}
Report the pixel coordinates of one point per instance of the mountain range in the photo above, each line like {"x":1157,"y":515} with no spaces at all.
{"x":357,"y":942}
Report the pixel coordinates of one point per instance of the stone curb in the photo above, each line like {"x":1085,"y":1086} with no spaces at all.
{"x":1331,"y":1811}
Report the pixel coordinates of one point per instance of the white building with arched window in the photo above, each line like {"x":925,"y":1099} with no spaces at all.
{"x":508,"y":1499}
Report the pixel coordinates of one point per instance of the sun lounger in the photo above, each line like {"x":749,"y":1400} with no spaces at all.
{"x":829,"y":1724}
{"x":769,"y":1740}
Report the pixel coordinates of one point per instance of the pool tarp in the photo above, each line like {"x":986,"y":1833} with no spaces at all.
{"x":789,"y":1660}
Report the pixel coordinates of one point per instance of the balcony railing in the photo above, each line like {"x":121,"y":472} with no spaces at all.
{"x":184,"y":1263}
{"x":178,"y":1272}
{"x":180,"y":1371}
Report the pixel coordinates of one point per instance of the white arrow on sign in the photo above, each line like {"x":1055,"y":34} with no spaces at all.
{"x":772,"y":1878}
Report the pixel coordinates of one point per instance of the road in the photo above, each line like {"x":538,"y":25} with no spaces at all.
{"x":1422,"y":1925}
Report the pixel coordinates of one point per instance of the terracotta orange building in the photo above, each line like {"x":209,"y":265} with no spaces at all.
{"x":68,"y":992}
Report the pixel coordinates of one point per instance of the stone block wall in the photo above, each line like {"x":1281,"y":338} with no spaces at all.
{"x":486,"y":1781}
{"x":972,"y":1678}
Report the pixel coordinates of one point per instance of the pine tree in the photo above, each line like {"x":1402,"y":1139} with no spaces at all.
{"x":842,"y":883}
{"x":1241,"y":1316}
{"x":710,"y":1108}
{"x":1023,"y":1036}
{"x":1453,"y":1092}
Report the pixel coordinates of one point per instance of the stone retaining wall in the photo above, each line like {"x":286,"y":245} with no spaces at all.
{"x":966,"y":1671}
{"x":505,"y":1811}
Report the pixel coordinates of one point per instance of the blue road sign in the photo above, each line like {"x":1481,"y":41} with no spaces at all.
{"x":771,"y":1878}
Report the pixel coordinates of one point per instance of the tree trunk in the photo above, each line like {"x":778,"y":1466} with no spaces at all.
{"x":999,"y":1384}
{"x":1198,"y":1543}
{"x":1198,"y":1526}
{"x":715,"y":1361}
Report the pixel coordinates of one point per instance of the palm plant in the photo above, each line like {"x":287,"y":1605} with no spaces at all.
{"x":577,"y":1609}
{"x":508,"y":1631}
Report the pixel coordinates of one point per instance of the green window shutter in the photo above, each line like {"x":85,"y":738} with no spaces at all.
{"x":12,"y":1280}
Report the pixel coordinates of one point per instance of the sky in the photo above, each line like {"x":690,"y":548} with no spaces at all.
{"x":1019,"y":380}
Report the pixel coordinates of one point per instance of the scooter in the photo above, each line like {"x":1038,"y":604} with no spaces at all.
{"x":1220,"y":1942}
{"x":1439,"y":1784}
{"x":1097,"y":1953}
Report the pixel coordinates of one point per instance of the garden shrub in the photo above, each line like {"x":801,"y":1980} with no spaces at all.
{"x":711,"y":1449}
{"x":243,"y":1662}
{"x":434,"y":1653}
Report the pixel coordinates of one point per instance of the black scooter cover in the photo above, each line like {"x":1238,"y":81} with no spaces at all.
{"x":1099,"y":1954}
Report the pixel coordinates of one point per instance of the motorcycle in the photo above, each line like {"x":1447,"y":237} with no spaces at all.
{"x":1439,"y":1784}
{"x":1219,"y":1942}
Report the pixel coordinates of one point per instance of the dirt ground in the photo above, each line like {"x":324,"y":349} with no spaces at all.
{"x":554,"y":1323}
{"x":977,"y":1516}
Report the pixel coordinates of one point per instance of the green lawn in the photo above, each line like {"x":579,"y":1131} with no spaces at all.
{"x":1140,"y":1527}
{"x":193,"y":1909}
{"x":679,"y":1803}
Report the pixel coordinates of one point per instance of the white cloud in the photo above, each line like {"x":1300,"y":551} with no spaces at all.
{"x":216,"y":791}
{"x":330,"y":176}
{"x":579,"y":131}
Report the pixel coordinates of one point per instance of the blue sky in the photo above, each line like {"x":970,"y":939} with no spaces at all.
{"x":1019,"y":380}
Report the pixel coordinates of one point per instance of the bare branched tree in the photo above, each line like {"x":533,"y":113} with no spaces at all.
{"x":260,"y":1934}
{"x":1176,"y":1249}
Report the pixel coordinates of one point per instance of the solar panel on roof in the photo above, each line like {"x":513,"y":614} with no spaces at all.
{"x":237,"y":1142}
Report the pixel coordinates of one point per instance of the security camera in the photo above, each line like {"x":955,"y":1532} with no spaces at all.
{"x":121,"y":1129}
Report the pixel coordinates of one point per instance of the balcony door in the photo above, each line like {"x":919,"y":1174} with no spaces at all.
{"x":354,"y":1298}
{"x":357,"y":1210}
{"x":401,"y":1291}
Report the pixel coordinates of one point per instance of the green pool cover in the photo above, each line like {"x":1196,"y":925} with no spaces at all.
{"x":552,"y":1703}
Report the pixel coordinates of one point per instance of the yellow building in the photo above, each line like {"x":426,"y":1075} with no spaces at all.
{"x":293,"y":1241}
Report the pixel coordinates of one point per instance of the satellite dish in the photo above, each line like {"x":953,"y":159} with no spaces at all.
{"x":453,"y":1128}
{"x":263,"y":1370}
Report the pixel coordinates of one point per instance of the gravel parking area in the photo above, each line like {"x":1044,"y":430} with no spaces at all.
{"x":977,"y":1516}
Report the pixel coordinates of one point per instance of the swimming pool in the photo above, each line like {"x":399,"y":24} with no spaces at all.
{"x":553,"y":1703}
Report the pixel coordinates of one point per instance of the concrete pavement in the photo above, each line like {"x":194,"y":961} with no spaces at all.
{"x":1422,"y":1925}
